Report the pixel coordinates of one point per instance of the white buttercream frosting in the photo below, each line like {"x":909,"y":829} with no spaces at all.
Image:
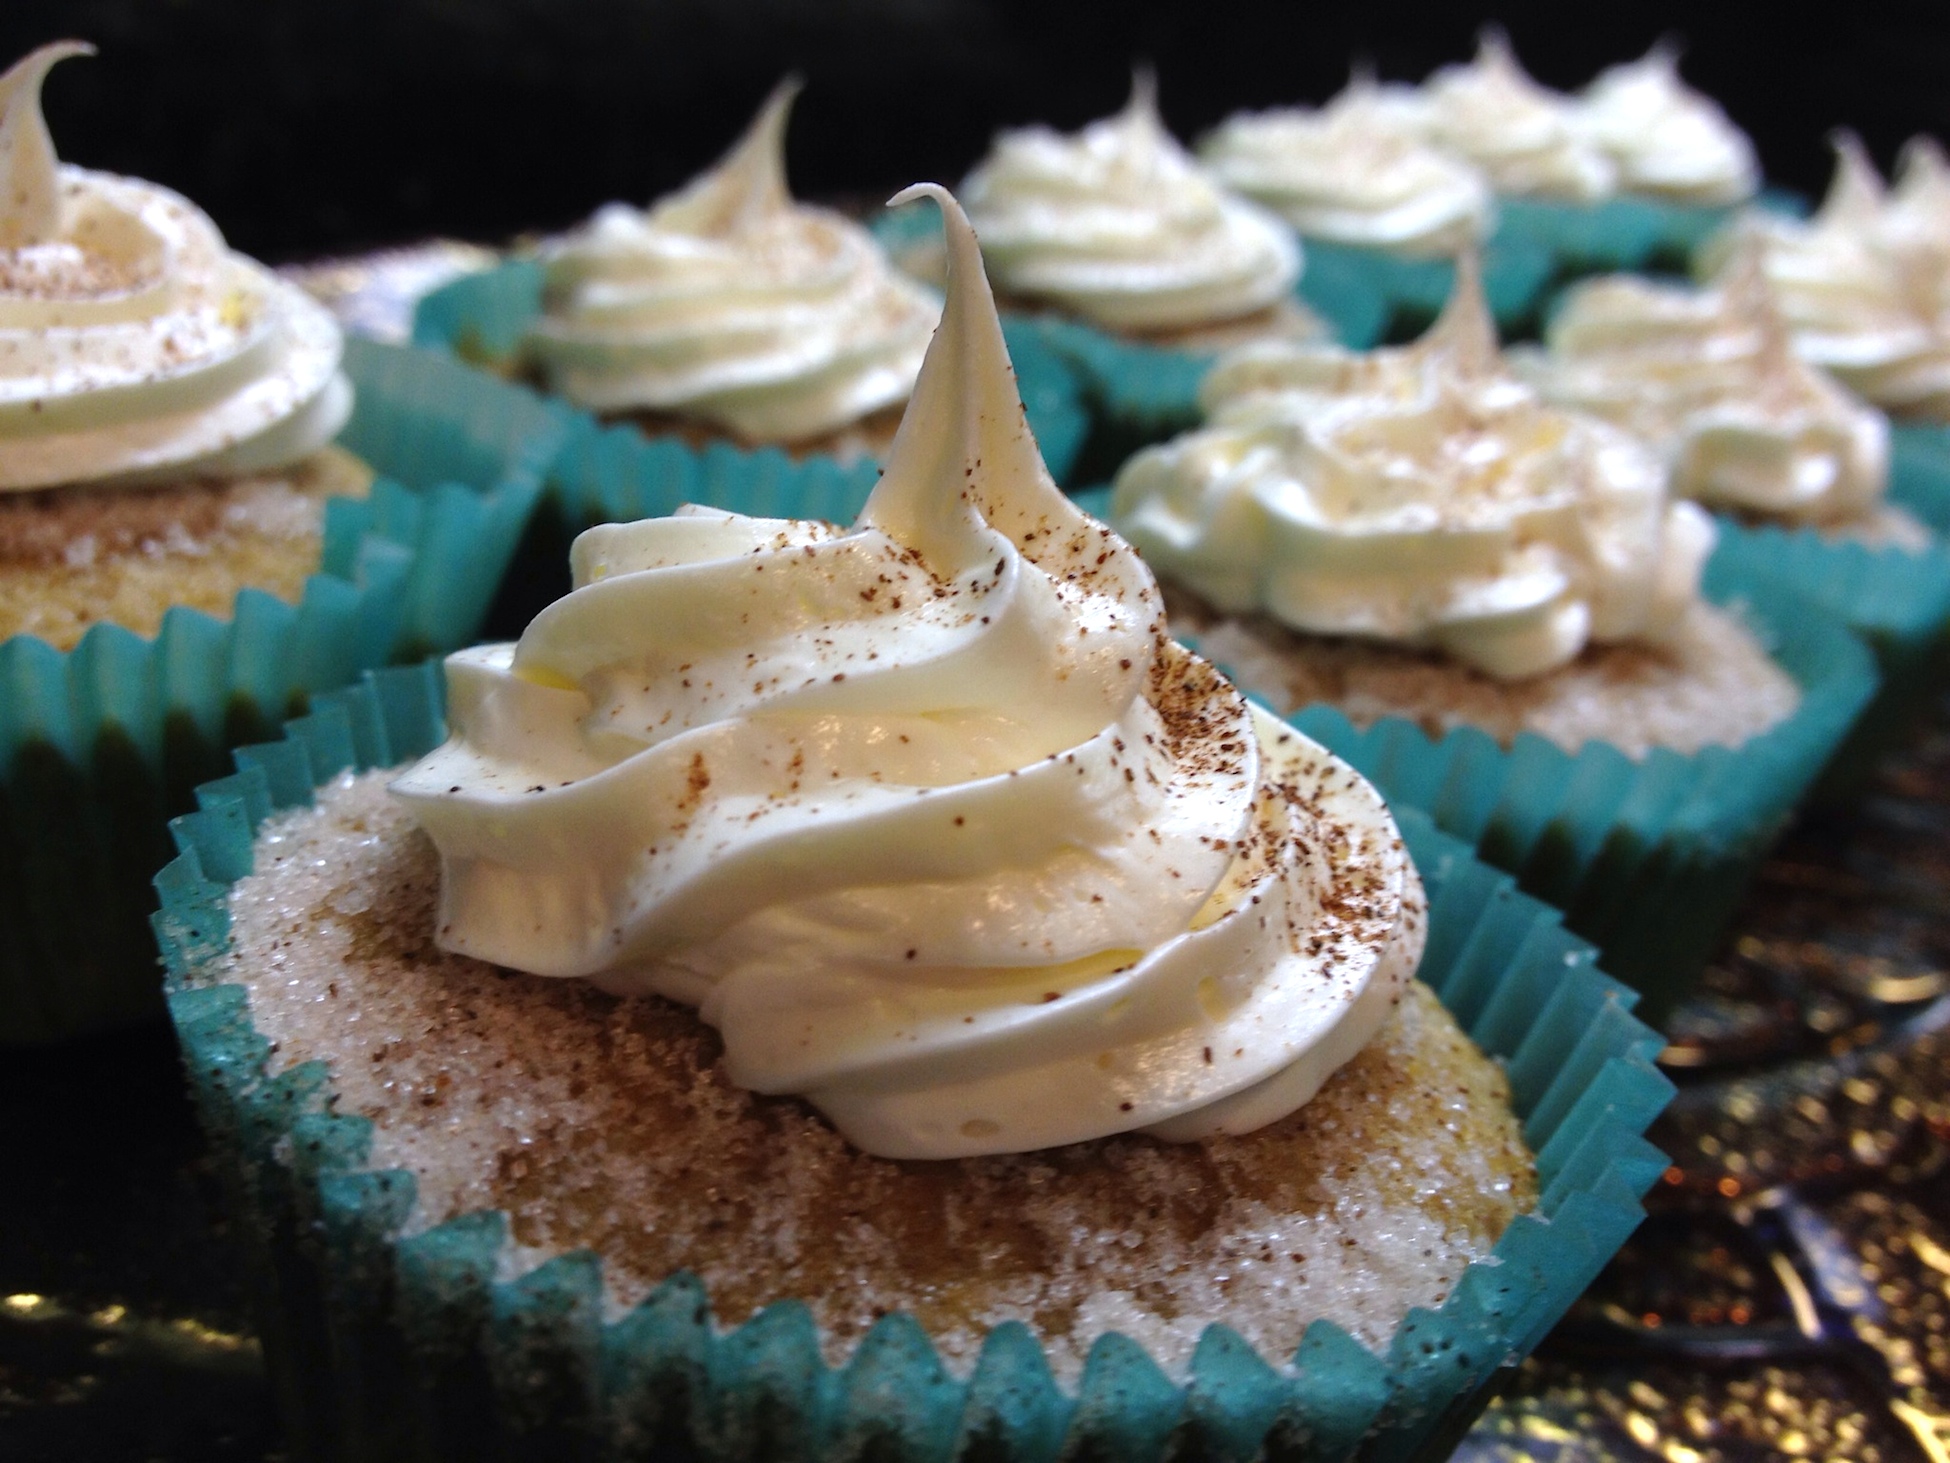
{"x":1525,"y":137}
{"x":134,"y":345}
{"x":1666,"y":139}
{"x":927,"y":816}
{"x":1420,"y":495}
{"x":1119,"y":224}
{"x":1710,"y":378}
{"x":1358,"y":171}
{"x":1860,"y":299}
{"x":730,"y":303}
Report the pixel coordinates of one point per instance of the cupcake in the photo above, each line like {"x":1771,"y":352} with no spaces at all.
{"x":1666,"y":140}
{"x":1357,"y":172}
{"x":931,"y":936}
{"x":1709,"y":378}
{"x":1117,"y":225}
{"x":1525,"y":138}
{"x":170,"y":405}
{"x":1142,"y":266}
{"x":1863,"y":292}
{"x":1801,"y":466}
{"x":1414,"y":538}
{"x":202,"y":521}
{"x":731,"y":307}
{"x":1382,"y":211}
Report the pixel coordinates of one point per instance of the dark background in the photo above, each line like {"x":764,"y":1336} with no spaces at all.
{"x":312,"y":126}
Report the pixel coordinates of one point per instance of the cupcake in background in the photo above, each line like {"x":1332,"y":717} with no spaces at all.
{"x":1117,"y":225}
{"x":1709,"y":379}
{"x":1666,"y":140}
{"x":729,"y":308}
{"x":1861,"y":285}
{"x":167,"y":406}
{"x":1526,"y":138}
{"x":202,"y":524}
{"x":1381,"y":211}
{"x":1357,"y":172}
{"x":1494,"y":608}
{"x":1413,"y":532}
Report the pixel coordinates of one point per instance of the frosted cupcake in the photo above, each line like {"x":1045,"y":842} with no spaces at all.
{"x":1414,"y":533}
{"x":1007,"y":921}
{"x":731,"y":309}
{"x":1525,"y":138}
{"x":1666,"y":140}
{"x":1494,"y":607}
{"x":166,"y":405}
{"x":1117,"y":225}
{"x":1861,"y":288}
{"x":1709,"y":378}
{"x":1358,"y":172}
{"x":200,"y":526}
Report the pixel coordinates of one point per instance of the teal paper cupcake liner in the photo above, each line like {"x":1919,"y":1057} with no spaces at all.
{"x":1623,"y":233}
{"x":483,"y":319}
{"x":1896,"y":600}
{"x":385,"y":1343}
{"x":101,"y":744}
{"x":1919,"y":472}
{"x":1648,"y":859}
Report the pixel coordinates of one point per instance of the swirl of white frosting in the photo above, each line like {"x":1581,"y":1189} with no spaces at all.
{"x":1524,"y":137}
{"x":731,"y":303}
{"x":928,"y":817}
{"x":1119,"y":224}
{"x":1861,"y":299}
{"x":1420,"y":495}
{"x":134,"y":346}
{"x":1915,"y":215}
{"x":1357,"y":171}
{"x":1666,"y":139}
{"x":1710,"y":378}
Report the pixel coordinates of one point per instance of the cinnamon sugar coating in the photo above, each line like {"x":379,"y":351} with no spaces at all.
{"x":71,"y":558}
{"x":609,"y":1123}
{"x":1712,"y":684}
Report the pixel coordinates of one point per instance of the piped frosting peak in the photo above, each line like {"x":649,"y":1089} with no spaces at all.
{"x":1119,"y":224}
{"x":927,"y":815}
{"x":733,"y":304}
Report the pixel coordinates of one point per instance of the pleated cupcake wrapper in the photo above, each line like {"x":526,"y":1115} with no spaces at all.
{"x":101,"y":744}
{"x":387,"y":1342}
{"x":483,"y":318}
{"x":1648,"y":859}
{"x":1896,"y":600}
{"x":1919,"y":473}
